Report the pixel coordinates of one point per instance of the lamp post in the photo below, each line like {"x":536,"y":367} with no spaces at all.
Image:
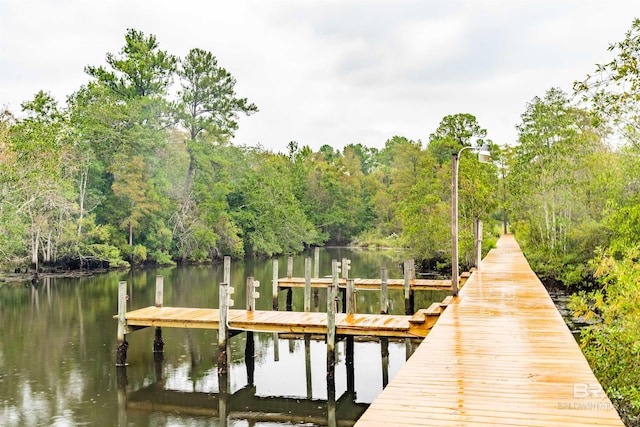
{"x":484,"y":156}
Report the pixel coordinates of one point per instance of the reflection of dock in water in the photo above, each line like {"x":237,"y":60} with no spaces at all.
{"x":245,"y":405}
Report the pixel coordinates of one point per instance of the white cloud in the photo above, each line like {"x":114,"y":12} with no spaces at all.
{"x":331,"y":72}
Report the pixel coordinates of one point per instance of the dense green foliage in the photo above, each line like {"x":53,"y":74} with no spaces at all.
{"x":129,"y":173}
{"x":574,"y":204}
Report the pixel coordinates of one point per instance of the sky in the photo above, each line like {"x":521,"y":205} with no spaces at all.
{"x":331,"y":72}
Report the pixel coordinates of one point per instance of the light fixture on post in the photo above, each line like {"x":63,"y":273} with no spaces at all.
{"x":484,"y":156}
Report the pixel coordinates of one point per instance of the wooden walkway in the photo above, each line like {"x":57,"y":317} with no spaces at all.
{"x":502,"y":355}
{"x":416,"y":326}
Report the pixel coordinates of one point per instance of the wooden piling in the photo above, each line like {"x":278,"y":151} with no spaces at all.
{"x":307,"y":364}
{"x":316,"y":273}
{"x":351,"y":310}
{"x":158,"y":342}
{"x":331,"y":324}
{"x":289,"y":300}
{"x":407,"y":288}
{"x":276,"y":341}
{"x":250,"y":294}
{"x":290,"y":267}
{"x":250,"y":357}
{"x":307,"y":284}
{"x":250,"y":348}
{"x":351,"y":297}
{"x":223,"y":332}
{"x":275,"y":284}
{"x":351,"y":383}
{"x":346,"y":266}
{"x":227,"y":271}
{"x":384,"y":291}
{"x":159,"y":291}
{"x":384,"y":350}
{"x":122,"y":344}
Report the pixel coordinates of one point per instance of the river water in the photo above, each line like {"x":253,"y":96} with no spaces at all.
{"x":58,"y":339}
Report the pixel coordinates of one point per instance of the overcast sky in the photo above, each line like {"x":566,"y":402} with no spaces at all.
{"x":331,"y":72}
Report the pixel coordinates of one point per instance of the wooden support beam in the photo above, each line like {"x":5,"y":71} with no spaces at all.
{"x":331,"y":323}
{"x":307,"y":284}
{"x":122,"y":344}
{"x":408,"y":310}
{"x":351,"y":297}
{"x":290,"y":267}
{"x":384,"y":291}
{"x":223,"y":331}
{"x":275,"y":284}
{"x":158,"y":342}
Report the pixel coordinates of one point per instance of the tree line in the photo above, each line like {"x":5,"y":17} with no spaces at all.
{"x":132,"y":170}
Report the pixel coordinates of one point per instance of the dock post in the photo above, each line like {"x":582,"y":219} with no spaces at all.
{"x":384,"y":291}
{"x":289,"y":300}
{"x":345,"y":267}
{"x":249,"y":349}
{"x":251,"y":293}
{"x":275,"y":284}
{"x":227,"y":270}
{"x":276,"y":342}
{"x":307,"y":284}
{"x":351,"y":297}
{"x":307,"y":364}
{"x":122,"y":344}
{"x":223,"y":336}
{"x":412,"y":277}
{"x":158,"y":342}
{"x":384,"y":350}
{"x":290,"y":267}
{"x":331,"y":326}
{"x":316,"y":273}
{"x":407,"y":288}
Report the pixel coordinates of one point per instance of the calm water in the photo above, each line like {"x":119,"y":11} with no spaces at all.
{"x":57,"y":353}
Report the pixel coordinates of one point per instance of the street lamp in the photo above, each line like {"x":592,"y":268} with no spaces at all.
{"x":484,"y":156}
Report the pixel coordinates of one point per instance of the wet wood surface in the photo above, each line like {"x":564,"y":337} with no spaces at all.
{"x":284,"y":321}
{"x":501,"y":356}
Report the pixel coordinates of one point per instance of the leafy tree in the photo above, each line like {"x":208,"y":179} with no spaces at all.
{"x":550,"y":180}
{"x":208,"y":107}
{"x":40,"y":174}
{"x":141,"y":70}
{"x":614,"y":88}
{"x":129,"y":98}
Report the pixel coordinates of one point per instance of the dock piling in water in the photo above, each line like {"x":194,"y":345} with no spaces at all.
{"x":331,"y":323}
{"x":384,"y":291}
{"x":122,"y":344}
{"x":158,"y":342}
{"x":307,"y":284}
{"x":223,"y":331}
{"x":275,"y":284}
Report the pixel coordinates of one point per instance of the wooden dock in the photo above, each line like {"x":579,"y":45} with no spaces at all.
{"x":416,"y":326}
{"x":369,"y":284}
{"x":502,"y":355}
